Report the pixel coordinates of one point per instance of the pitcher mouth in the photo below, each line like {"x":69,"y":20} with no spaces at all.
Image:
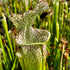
{"x":35,"y":39}
{"x":43,"y":15}
{"x":40,"y":43}
{"x":50,"y":12}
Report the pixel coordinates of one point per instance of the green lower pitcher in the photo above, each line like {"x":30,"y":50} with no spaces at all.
{"x":33,"y":56}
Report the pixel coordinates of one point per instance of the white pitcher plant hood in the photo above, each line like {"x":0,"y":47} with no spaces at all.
{"x":23,"y":23}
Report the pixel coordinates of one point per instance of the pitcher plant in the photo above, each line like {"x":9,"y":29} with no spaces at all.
{"x":32,"y":42}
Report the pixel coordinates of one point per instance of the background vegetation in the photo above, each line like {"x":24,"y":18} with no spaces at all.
{"x":58,"y":23}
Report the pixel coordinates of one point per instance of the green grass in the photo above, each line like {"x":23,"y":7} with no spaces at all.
{"x":58,"y":24}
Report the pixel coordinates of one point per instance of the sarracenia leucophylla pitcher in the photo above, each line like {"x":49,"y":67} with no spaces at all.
{"x":32,"y":41}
